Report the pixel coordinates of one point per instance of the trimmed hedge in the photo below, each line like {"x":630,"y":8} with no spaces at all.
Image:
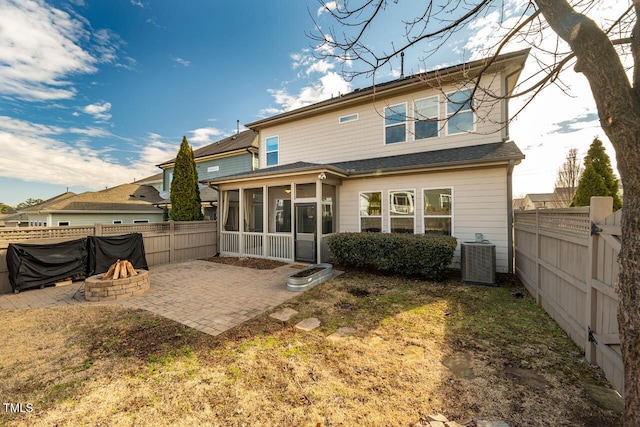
{"x":407,"y":254}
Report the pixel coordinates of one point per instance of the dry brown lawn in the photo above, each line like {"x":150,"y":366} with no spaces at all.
{"x":419,"y":348}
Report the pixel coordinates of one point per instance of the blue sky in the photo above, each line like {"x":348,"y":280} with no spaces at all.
{"x":95,"y":93}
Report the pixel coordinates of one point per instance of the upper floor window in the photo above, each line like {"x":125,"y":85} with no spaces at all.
{"x":349,"y":118}
{"x":426,"y":117}
{"x":459,"y":112}
{"x":272,"y":143}
{"x":395,"y":125}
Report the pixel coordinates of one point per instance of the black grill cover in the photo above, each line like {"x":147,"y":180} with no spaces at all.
{"x":32,"y":265}
{"x":104,"y":251}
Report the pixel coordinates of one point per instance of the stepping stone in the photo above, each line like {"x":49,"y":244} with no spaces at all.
{"x":375,"y":341}
{"x":309,"y":324}
{"x":605,"y":398}
{"x":484,"y":423}
{"x":342,"y":333}
{"x":412,"y":353}
{"x":284,"y":314}
{"x":438,"y":417}
{"x":460,"y":365}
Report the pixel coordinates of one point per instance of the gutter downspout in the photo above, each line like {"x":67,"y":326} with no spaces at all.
{"x":510,"y":214}
{"x":215,"y":187}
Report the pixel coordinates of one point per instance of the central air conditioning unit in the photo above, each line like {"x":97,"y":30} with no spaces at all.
{"x":478,"y":263}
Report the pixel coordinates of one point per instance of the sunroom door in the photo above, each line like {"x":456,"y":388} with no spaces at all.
{"x":305,"y":236}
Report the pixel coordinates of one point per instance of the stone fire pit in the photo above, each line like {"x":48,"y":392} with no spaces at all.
{"x":99,"y":289}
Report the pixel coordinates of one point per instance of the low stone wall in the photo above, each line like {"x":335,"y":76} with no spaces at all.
{"x":97,"y":289}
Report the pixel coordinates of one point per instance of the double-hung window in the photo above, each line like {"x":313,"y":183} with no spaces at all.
{"x":402,"y":211}
{"x":371,"y":211}
{"x":426,"y":117}
{"x":395,"y":124}
{"x":460,"y":112}
{"x":438,"y":211}
{"x":272,"y":144}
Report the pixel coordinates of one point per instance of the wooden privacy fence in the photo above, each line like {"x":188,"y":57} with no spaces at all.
{"x":568,"y":260}
{"x":164,"y":242}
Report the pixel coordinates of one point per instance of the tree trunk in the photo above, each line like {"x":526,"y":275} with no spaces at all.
{"x":629,"y":305}
{"x":618,"y":106}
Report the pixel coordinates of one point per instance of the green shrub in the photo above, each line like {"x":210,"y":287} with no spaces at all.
{"x":407,"y":254}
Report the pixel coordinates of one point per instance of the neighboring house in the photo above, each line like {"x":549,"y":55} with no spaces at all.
{"x":13,"y":219}
{"x":231,"y":155}
{"x":154,"y":181}
{"x":538,"y":201}
{"x":357,"y":162}
{"x":124,"y":204}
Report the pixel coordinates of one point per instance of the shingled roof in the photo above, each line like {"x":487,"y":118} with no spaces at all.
{"x":125,"y":197}
{"x":239,"y":141}
{"x":476,"y":154}
{"x":381,"y":90}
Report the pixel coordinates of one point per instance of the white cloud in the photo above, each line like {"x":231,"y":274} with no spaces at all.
{"x":202,"y":136}
{"x":322,"y":66}
{"x":137,"y":3}
{"x":38,"y":49}
{"x":99,"y":111}
{"x":41,"y":47}
{"x":331,"y":84}
{"x":332,"y":5}
{"x":181,"y":61}
{"x":36,"y":153}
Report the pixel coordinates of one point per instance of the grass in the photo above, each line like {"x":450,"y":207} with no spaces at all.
{"x":419,"y":348}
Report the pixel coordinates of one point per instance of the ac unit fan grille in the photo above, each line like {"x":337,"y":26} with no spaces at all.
{"x":478,"y":263}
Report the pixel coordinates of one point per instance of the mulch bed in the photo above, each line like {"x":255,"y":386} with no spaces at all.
{"x":257,"y":263}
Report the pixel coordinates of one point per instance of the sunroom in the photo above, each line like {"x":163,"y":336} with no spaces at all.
{"x":285,"y":216}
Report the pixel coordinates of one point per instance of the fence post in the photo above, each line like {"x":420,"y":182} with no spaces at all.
{"x":599,"y":209}
{"x":97,"y":229}
{"x":537,"y":257}
{"x":172,"y":240}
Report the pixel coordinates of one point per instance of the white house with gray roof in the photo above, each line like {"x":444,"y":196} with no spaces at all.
{"x":429,"y":153}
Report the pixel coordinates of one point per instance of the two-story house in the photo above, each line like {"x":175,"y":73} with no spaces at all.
{"x":234,"y":154}
{"x":422,"y":154}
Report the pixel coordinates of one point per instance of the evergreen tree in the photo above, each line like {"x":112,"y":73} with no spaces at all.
{"x":185,"y":194}
{"x":598,"y":178}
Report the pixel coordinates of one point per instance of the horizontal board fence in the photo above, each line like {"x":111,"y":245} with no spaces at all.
{"x":568,"y":260}
{"x":164,"y":242}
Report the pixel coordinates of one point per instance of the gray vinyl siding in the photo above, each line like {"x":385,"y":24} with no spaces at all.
{"x":479,"y":204}
{"x":322,"y":139}
{"x":227,"y":166}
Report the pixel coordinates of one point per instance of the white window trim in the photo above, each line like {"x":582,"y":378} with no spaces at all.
{"x":141,"y":221}
{"x":406,"y":127}
{"x":415,"y":205}
{"x":266,"y":151}
{"x":416,"y":119}
{"x":348,"y":118}
{"x":447,"y":115}
{"x":453,"y":203}
{"x":381,"y":216}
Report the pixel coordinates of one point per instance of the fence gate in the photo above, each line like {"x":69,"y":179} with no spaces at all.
{"x":604,"y":340}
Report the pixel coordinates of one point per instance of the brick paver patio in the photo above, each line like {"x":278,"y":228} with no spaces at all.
{"x":204,"y":295}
